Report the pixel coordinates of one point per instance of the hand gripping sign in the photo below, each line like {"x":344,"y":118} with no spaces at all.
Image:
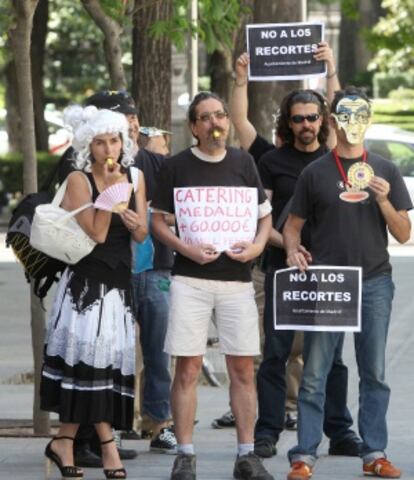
{"x":221,"y":216}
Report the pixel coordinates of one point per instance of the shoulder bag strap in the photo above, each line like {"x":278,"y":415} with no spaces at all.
{"x":281,"y":219}
{"x":135,"y":177}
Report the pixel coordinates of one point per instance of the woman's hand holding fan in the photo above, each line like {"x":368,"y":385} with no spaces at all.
{"x":114,"y":198}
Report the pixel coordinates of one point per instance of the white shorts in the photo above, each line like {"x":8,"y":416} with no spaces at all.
{"x":191,"y":310}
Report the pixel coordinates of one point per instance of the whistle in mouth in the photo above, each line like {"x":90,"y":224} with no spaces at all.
{"x":216,"y":134}
{"x":110,"y":164}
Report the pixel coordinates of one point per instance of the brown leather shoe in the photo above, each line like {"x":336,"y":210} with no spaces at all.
{"x":382,"y":468}
{"x":300,"y":471}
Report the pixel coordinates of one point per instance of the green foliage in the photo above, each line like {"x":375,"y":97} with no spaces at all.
{"x":11,"y":170}
{"x":402,"y":94}
{"x":393,"y":37}
{"x":383,"y":82}
{"x":114,"y":9}
{"x":217,"y":22}
{"x":399,"y":113}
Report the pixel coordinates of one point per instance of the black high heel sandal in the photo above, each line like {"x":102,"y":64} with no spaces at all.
{"x":114,"y":473}
{"x":68,"y":471}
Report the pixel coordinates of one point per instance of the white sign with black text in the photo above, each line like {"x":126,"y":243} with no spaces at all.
{"x":221,"y":216}
{"x":319,"y":299}
{"x":284,"y":51}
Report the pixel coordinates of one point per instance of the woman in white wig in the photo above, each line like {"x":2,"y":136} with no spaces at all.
{"x":89,"y":356}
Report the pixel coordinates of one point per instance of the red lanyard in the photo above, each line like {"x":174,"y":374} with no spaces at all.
{"x":341,"y":168}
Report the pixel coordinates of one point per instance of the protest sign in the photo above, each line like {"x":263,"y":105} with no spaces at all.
{"x":319,"y":299}
{"x":284,"y":51}
{"x":221,"y":216}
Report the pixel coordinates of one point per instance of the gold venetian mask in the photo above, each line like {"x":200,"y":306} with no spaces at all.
{"x":353,"y":115}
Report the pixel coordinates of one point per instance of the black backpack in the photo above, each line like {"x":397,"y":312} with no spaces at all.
{"x":39,"y":267}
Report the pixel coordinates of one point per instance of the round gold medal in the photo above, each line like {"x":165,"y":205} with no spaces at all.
{"x":359,"y":175}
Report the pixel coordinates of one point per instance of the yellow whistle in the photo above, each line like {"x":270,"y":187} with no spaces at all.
{"x":216,"y":134}
{"x":110,"y":164}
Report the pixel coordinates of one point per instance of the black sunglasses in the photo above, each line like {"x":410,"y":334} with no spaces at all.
{"x":301,"y":118}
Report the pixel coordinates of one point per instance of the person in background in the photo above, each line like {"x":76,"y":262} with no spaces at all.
{"x":298,"y":144}
{"x":89,"y":355}
{"x":155,"y":140}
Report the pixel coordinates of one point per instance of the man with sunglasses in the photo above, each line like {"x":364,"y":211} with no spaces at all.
{"x":352,"y":197}
{"x":303,"y":133}
{"x":210,"y":275}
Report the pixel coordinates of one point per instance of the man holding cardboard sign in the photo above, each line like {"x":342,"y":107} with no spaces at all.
{"x":223,"y":222}
{"x":351,"y":197}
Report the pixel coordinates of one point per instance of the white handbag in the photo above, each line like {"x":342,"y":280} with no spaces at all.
{"x":56,"y":232}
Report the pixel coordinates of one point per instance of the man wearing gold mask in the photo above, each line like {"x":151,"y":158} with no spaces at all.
{"x":352,"y":196}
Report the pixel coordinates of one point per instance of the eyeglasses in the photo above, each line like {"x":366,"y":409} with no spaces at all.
{"x":206,"y":116}
{"x":301,"y":118}
{"x":358,"y":117}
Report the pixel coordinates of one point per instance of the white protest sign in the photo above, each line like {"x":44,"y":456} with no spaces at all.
{"x":221,"y":216}
{"x":284,"y":51}
{"x":323,"y":298}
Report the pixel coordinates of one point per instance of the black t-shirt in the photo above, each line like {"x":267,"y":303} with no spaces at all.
{"x":237,"y":169}
{"x":343,"y":233}
{"x":150,"y":163}
{"x":279,"y":170}
{"x":259,"y":147}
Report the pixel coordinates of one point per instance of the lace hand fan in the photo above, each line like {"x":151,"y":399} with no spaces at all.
{"x":114,"y":198}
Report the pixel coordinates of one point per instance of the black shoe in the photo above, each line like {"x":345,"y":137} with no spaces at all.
{"x":348,"y":447}
{"x":146,"y":434}
{"x":127,"y":453}
{"x":265,"y":447}
{"x":130,"y":435}
{"x":184,"y":467}
{"x":250,"y":467}
{"x":291,"y":420}
{"x":164,"y":442}
{"x":84,"y":457}
{"x":225,"y":421}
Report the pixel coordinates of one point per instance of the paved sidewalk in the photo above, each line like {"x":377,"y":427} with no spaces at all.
{"x":22,"y":458}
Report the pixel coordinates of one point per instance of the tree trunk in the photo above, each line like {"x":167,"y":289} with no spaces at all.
{"x":354,"y":54}
{"x":112,"y":31}
{"x":265,"y":97}
{"x":20,"y":34}
{"x":151,"y":71}
{"x":13,"y":123}
{"x":221,"y":70}
{"x":37,"y":54}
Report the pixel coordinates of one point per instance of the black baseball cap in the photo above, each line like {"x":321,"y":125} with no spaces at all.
{"x":115,"y":100}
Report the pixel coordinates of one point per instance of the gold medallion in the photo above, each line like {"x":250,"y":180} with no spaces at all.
{"x":359,"y":175}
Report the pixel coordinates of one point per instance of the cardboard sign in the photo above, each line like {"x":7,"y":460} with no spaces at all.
{"x":221,"y":216}
{"x":284,"y":51}
{"x":320,"y":299}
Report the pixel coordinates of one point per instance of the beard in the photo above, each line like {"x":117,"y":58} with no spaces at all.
{"x":307,"y":136}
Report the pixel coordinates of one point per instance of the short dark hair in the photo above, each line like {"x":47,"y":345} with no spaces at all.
{"x":283,"y":129}
{"x":200,"y":97}
{"x":349,"y":91}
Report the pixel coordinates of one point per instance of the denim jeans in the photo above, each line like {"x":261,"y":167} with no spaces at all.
{"x":271,"y":383}
{"x":151,"y":303}
{"x":374,"y":393}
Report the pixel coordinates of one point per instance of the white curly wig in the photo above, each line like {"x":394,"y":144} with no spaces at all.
{"x":86,"y":123}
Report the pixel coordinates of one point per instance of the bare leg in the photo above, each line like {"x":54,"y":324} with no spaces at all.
{"x":64,"y":448}
{"x":110,"y":455}
{"x":242,"y":395}
{"x":184,"y":397}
